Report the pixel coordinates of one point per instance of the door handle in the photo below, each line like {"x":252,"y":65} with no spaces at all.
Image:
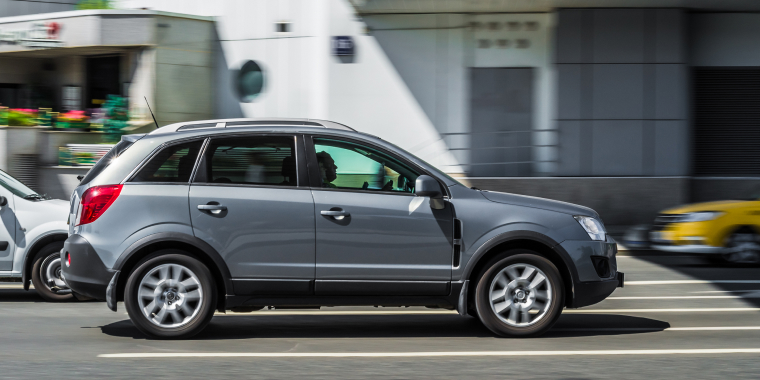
{"x":335,"y":213}
{"x":214,"y":209}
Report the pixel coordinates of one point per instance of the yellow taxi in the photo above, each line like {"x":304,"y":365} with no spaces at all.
{"x":727,"y":229}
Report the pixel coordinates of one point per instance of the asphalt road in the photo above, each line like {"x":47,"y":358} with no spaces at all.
{"x":677,"y":318}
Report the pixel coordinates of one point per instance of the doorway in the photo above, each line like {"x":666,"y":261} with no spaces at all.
{"x":103,"y":75}
{"x":501,"y":118}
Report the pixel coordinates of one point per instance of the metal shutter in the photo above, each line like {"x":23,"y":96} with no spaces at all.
{"x":726,"y":121}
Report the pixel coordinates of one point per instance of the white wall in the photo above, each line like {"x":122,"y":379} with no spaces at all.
{"x":303,"y":79}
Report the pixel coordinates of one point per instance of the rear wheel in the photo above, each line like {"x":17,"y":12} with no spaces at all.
{"x":46,"y":274}
{"x":170,"y":295}
{"x":520,"y":294}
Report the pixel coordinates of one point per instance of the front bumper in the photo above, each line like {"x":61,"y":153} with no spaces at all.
{"x":87,"y":274}
{"x":693,"y":248}
{"x":589,"y":293}
{"x":592,"y":286}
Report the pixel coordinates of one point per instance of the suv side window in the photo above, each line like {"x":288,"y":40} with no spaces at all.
{"x":250,"y":160}
{"x":173,"y":164}
{"x":346,"y":165}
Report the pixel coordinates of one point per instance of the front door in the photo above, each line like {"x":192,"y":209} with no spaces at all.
{"x":246,"y":202}
{"x":374,"y":236}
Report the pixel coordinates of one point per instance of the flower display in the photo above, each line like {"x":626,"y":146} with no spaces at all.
{"x":73,"y":116}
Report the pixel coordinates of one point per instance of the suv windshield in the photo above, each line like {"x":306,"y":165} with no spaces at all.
{"x":17,"y":188}
{"x":106,"y":160}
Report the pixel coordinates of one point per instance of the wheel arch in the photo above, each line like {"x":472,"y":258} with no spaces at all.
{"x":732,"y":229}
{"x":34,"y":248}
{"x":534,"y":241}
{"x":193,"y":246}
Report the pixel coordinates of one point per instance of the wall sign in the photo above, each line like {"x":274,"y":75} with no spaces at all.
{"x":39,"y":35}
{"x":342,"y":45}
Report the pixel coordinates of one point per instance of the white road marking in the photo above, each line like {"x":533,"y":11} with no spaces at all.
{"x":655,"y":329}
{"x":683,"y":297}
{"x":689,"y":310}
{"x":337,"y":312}
{"x":711,"y":351}
{"x":752,"y":293}
{"x":716,"y":328}
{"x":686,"y":282}
{"x":636,"y":257}
{"x":14,"y":286}
{"x":453,"y":312}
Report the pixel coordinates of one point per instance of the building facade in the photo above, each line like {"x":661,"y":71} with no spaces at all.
{"x":628,"y":107}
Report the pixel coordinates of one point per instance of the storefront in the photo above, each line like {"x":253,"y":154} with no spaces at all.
{"x":62,"y":75}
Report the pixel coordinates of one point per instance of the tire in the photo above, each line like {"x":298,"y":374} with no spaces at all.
{"x":46,"y":274}
{"x":743,"y":247}
{"x":516,"y":274}
{"x":178,"y":295}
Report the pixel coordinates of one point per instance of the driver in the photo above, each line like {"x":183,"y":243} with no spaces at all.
{"x":327,"y":169}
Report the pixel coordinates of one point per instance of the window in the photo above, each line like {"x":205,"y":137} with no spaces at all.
{"x":346,"y":165}
{"x":106,"y":160}
{"x":260,"y":160}
{"x":173,"y":164}
{"x":250,"y":81}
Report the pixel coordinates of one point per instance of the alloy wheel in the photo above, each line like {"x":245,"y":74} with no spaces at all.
{"x":51,"y":276}
{"x":170,"y":295}
{"x":520,"y":295}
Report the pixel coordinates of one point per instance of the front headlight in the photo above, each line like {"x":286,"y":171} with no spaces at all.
{"x":700,"y":216}
{"x":593,"y":227}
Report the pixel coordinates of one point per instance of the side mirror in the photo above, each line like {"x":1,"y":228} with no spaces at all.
{"x":3,"y":201}
{"x":427,"y":186}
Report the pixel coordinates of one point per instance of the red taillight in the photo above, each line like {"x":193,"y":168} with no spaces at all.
{"x":95,"y":201}
{"x":68,"y":259}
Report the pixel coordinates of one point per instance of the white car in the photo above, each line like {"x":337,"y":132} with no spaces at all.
{"x":31,"y":237}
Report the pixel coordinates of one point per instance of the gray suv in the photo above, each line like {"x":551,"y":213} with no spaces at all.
{"x":247,"y":213}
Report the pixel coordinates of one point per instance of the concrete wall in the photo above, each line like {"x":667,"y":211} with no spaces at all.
{"x":434,"y":54}
{"x":620,"y":201}
{"x":184,"y":88}
{"x":622,"y":92}
{"x":705,"y":189}
{"x":28,"y":7}
{"x":725,"y":39}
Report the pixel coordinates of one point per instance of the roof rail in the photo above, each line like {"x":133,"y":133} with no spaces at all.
{"x":252,"y":122}
{"x":272,"y":122}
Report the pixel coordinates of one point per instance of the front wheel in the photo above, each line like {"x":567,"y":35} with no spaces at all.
{"x":520,"y":294}
{"x":743,"y":247}
{"x":46,"y":274}
{"x":170,"y":295}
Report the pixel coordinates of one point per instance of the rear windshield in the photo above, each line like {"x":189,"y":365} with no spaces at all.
{"x":106,"y":160}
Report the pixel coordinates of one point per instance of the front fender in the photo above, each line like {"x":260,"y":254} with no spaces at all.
{"x":524,"y":231}
{"x":29,"y":242}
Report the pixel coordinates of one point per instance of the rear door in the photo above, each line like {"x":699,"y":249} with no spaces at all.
{"x":250,"y":201}
{"x":374,"y":236}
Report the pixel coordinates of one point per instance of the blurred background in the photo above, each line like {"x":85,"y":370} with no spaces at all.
{"x":627,"y":106}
